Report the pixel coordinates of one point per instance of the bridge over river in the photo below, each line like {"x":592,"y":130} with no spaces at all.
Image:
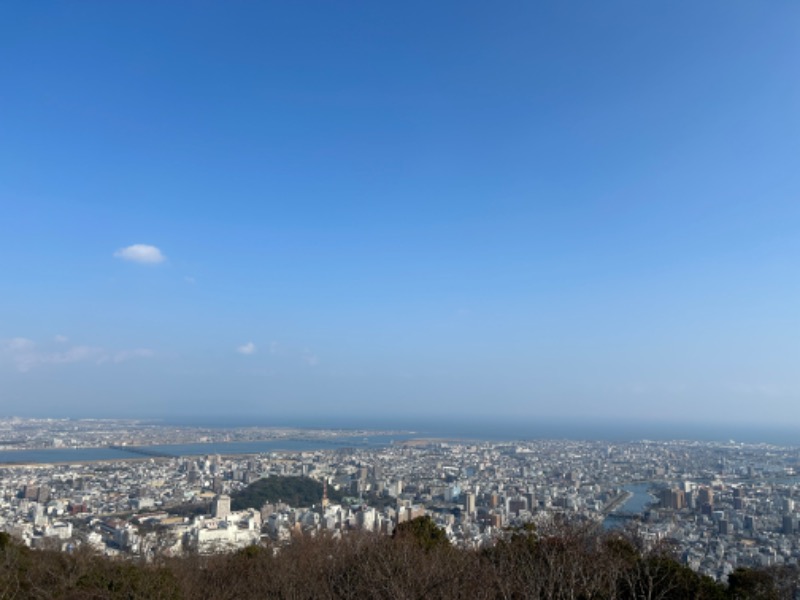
{"x":144,"y":451}
{"x":627,"y":506}
{"x":623,"y":516}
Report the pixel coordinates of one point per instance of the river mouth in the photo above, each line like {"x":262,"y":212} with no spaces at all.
{"x":112,"y":453}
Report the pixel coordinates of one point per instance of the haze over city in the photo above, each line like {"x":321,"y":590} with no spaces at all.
{"x":309,"y":212}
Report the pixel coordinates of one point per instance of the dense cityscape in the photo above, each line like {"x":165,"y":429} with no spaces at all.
{"x":718,"y":505}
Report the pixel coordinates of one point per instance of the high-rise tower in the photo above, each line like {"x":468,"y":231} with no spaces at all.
{"x":324,"y":494}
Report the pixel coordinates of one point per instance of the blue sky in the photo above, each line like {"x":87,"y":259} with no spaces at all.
{"x":521,"y":209}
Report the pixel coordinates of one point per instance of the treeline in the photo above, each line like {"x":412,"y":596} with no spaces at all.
{"x":417,"y":563}
{"x":294,"y":491}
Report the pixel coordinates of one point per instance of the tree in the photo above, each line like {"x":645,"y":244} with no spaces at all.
{"x":752,"y":584}
{"x":424,"y":532}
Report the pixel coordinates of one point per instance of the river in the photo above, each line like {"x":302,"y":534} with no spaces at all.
{"x":636,"y":504}
{"x":75,"y":455}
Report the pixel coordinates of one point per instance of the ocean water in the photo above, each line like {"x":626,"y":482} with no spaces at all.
{"x":495,"y":430}
{"x":499,"y":429}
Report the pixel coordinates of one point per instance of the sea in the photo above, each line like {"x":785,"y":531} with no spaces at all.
{"x":494,"y":430}
{"x":499,"y":429}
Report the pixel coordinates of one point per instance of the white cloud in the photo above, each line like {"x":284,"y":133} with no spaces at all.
{"x":189,"y":280}
{"x":124,"y":355}
{"x":19,"y":344}
{"x":141,"y":253}
{"x":74,"y":354}
{"x":26,"y":355}
{"x":20,"y":351}
{"x":61,"y":339}
{"x":246,"y":349}
{"x":311,"y":359}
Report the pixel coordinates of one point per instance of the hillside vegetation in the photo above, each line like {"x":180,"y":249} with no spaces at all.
{"x":417,"y":563}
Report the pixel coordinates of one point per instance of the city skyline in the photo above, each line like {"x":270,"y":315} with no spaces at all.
{"x":401,"y":212}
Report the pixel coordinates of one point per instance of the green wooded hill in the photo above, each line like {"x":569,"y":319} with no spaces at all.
{"x":294,"y":491}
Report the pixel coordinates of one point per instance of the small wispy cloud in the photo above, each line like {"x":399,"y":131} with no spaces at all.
{"x":19,"y":344}
{"x":189,"y":280}
{"x":125,"y":355}
{"x":247,"y":349}
{"x":283,"y":353}
{"x":141,"y":253}
{"x":26,"y":355}
{"x":61,"y":339}
{"x":311,"y":359}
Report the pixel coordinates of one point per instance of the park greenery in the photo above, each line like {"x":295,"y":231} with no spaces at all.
{"x":294,"y":491}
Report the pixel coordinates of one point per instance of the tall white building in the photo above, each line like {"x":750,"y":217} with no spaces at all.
{"x":222,"y":506}
{"x":469,"y":502}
